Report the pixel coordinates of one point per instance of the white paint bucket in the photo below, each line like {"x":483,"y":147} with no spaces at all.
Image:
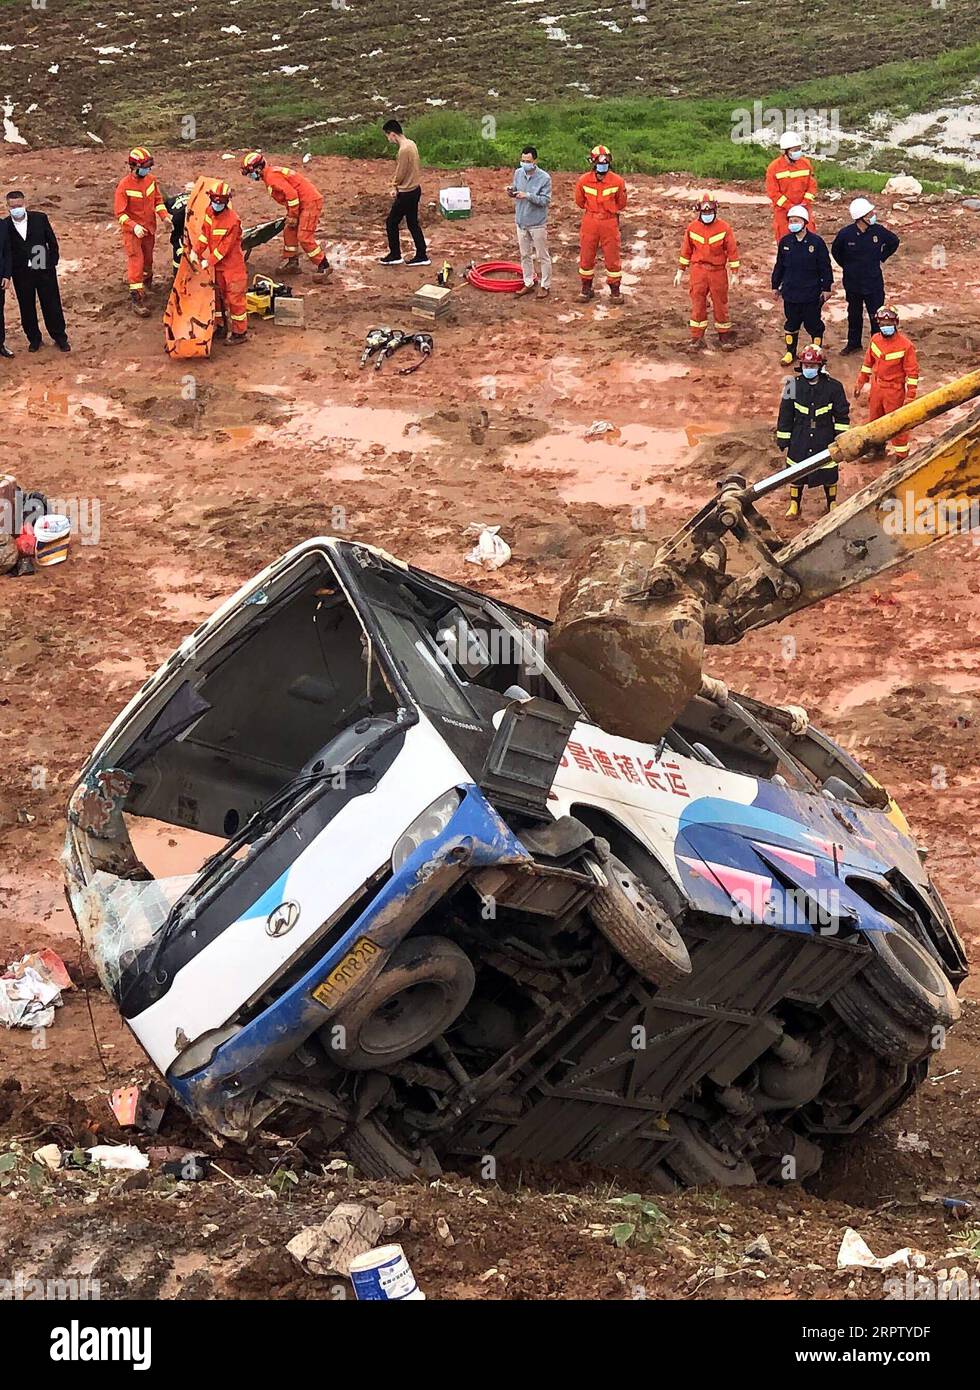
{"x":384,"y":1274}
{"x":52,"y":535}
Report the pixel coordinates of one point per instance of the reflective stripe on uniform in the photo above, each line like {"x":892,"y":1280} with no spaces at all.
{"x":894,"y":356}
{"x":841,"y":427}
{"x":822,"y":409}
{"x":684,"y":260}
{"x":720,"y":237}
{"x":784,"y":434}
{"x":693,"y":323}
{"x":699,"y":239}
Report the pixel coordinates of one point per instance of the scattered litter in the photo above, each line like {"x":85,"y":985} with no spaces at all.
{"x":30,"y":990}
{"x":49,"y":1155}
{"x":599,"y":428}
{"x":760,"y":1249}
{"x":909,"y":1142}
{"x":123,"y":1157}
{"x":958,"y":1207}
{"x":903,"y":186}
{"x":491,"y":550}
{"x":350,"y":1230}
{"x":384,"y":1275}
{"x":443,"y":1232}
{"x":855,"y":1254}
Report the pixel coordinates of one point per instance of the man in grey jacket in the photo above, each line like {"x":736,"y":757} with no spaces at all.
{"x":531,"y":191}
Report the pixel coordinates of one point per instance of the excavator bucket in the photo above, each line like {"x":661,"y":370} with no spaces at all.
{"x":635,"y":616}
{"x":188,"y":320}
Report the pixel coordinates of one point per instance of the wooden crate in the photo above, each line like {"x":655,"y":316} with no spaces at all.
{"x":432,"y":301}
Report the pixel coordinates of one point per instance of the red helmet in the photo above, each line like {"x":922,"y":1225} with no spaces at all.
{"x":253,"y":162}
{"x":813,"y":356}
{"x":599,"y":152}
{"x":706,"y":203}
{"x":887,"y":315}
{"x":221,"y":192}
{"x":140,"y":156}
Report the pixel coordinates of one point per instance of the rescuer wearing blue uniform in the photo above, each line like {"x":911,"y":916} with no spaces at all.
{"x":804,"y":277}
{"x":859,"y":249}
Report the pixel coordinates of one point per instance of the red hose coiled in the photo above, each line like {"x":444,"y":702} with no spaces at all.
{"x":482,"y":277}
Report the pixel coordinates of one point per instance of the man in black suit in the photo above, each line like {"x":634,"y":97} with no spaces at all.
{"x":4,"y":281}
{"x":29,"y":247}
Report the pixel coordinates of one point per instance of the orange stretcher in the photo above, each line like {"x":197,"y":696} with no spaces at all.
{"x":188,"y":320}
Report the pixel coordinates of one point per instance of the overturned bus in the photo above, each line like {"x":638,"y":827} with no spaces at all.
{"x":424,"y":901}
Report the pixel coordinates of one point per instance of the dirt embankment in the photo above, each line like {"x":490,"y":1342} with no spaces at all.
{"x":197,"y":478}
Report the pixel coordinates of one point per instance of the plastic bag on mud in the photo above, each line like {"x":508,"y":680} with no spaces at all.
{"x":118,"y":917}
{"x":491,"y":550}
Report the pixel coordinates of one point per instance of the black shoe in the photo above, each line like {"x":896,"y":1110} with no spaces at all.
{"x":33,"y":347}
{"x":5,"y":351}
{"x":849,"y":348}
{"x":419,"y":260}
{"x":391,"y":260}
{"x":62,"y":344}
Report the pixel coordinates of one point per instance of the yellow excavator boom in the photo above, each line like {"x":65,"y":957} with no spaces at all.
{"x":635,"y":616}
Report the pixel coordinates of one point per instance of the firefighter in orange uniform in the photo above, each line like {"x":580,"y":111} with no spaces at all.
{"x":602,"y":194}
{"x":138,"y":202}
{"x":303,"y":203}
{"x":790,"y":180}
{"x":220,"y":245}
{"x":892,"y":367}
{"x":710,"y":250}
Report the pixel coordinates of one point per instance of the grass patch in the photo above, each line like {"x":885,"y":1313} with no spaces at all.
{"x":650,"y":135}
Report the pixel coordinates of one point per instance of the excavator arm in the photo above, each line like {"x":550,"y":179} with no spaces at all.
{"x":635,"y":616}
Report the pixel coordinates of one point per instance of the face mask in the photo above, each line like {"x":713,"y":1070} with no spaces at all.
{"x":142,"y":171}
{"x":796,"y":226}
{"x":528,"y":168}
{"x":811,"y":373}
{"x":872,"y":218}
{"x":18,"y":214}
{"x":218,"y":207}
{"x":254,"y":174}
{"x":888,"y":329}
{"x":793,"y":154}
{"x":602,"y":168}
{"x":707,"y":217}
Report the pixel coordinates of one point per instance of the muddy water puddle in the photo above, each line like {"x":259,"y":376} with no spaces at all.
{"x":50,"y":403}
{"x":632,"y":465}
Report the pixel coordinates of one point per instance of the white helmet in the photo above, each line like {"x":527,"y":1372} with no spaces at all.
{"x":860,"y":208}
{"x":798,"y":211}
{"x":790,"y":141}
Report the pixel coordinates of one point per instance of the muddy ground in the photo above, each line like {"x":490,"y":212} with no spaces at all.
{"x":201,"y":476}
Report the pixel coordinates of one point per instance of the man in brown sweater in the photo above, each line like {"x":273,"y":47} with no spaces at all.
{"x":407,"y":190}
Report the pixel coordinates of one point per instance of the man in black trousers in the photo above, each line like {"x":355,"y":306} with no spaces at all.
{"x":860,"y":249}
{"x":29,"y":247}
{"x":4,"y":281}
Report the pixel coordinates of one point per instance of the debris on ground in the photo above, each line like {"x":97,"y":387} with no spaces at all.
{"x":760,"y":1249}
{"x":384,"y":1275}
{"x":598,"y":428}
{"x":30,"y":990}
{"x":491,"y":550}
{"x":351,"y":1229}
{"x":854,"y":1253}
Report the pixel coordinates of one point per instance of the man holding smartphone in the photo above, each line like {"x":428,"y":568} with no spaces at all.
{"x":531,"y":191}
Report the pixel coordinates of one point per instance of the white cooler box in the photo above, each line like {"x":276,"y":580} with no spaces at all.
{"x":455,"y":203}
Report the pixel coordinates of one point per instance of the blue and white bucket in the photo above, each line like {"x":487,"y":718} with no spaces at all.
{"x":384,"y":1274}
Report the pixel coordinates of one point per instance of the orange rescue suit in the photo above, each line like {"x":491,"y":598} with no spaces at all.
{"x":710,"y":249}
{"x":789,"y":182}
{"x":603,"y":200}
{"x":893,"y":367}
{"x":303,"y":203}
{"x":220,"y":243}
{"x":139,"y":201}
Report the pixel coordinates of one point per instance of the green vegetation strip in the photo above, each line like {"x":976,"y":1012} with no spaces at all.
{"x":664,"y":135}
